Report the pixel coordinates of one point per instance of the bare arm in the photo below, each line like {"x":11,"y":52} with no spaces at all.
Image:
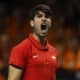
{"x":14,"y":73}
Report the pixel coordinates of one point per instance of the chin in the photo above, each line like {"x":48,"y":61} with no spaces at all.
{"x":43,"y":35}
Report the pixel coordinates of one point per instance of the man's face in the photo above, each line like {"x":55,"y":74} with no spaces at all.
{"x":41,"y":23}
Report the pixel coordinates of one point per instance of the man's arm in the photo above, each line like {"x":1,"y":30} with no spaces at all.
{"x":14,"y":73}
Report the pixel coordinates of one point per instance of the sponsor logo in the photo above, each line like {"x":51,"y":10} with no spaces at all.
{"x":35,"y":56}
{"x":53,"y":57}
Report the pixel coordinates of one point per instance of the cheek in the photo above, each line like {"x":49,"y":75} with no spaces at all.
{"x":49,"y":23}
{"x":37,"y":26}
{"x":37,"y":22}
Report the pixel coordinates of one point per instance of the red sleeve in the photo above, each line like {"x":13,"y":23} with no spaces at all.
{"x":17,"y":57}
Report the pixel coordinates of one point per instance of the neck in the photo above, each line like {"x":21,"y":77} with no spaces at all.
{"x":41,"y":39}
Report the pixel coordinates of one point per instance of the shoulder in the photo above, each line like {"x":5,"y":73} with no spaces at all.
{"x":21,"y":49}
{"x":22,"y":45}
{"x":19,"y":53}
{"x":53,"y":49}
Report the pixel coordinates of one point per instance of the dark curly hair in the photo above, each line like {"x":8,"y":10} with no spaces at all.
{"x":41,"y":7}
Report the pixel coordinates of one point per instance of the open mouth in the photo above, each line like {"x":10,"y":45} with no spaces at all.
{"x":43,"y":27}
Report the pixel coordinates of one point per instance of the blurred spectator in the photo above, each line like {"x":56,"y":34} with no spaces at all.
{"x":4,"y":53}
{"x":3,"y":12}
{"x":1,"y":77}
{"x":70,"y":54}
{"x":69,"y":58}
{"x":16,"y":24}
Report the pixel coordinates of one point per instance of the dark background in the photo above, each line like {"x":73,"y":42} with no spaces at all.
{"x":64,"y":35}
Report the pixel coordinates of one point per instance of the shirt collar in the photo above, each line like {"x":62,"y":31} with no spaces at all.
{"x":37,"y":43}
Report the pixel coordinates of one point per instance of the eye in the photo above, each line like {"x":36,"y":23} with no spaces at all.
{"x":47,"y":16}
{"x":39,"y":15}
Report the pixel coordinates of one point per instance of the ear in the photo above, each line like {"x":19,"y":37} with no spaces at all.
{"x":31,"y":23}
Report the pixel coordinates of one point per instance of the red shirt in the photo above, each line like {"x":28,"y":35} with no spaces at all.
{"x":38,"y":62}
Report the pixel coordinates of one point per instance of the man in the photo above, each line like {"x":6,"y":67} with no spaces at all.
{"x":34,"y":58}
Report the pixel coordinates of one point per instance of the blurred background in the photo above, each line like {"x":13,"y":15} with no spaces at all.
{"x":64,"y":35}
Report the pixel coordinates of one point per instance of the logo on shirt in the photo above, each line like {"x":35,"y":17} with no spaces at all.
{"x":35,"y":56}
{"x":53,"y":57}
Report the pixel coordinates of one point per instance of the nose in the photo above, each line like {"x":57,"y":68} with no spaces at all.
{"x":44,"y":19}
